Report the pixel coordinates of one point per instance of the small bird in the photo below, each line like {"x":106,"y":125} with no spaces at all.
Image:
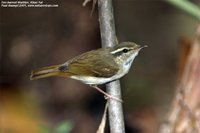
{"x":95,"y":67}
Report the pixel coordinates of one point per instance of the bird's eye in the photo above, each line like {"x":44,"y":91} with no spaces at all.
{"x":125,"y":50}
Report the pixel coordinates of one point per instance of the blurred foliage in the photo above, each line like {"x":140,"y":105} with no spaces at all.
{"x":188,"y":7}
{"x":63,"y":127}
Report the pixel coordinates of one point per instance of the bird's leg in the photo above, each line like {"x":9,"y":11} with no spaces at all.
{"x":106,"y":94}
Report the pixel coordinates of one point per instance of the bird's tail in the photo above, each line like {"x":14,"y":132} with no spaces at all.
{"x":47,"y":72}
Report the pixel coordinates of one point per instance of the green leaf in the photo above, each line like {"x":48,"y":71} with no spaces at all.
{"x":64,"y":127}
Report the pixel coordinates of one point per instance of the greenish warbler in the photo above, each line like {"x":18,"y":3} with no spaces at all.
{"x":95,"y":67}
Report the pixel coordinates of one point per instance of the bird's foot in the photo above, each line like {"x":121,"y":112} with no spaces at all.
{"x":106,"y":95}
{"x":112,"y":97}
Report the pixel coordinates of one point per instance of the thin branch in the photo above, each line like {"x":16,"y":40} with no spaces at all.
{"x":187,"y":6}
{"x":108,"y":38}
{"x":93,"y":5}
{"x":103,"y":120}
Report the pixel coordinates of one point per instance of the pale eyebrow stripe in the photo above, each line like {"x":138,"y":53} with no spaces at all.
{"x":118,"y":50}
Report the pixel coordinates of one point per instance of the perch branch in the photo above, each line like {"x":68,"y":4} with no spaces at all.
{"x":108,"y":38}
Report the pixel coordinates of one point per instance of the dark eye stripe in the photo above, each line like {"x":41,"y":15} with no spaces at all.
{"x":63,"y":68}
{"x":118,"y":53}
{"x":125,"y":50}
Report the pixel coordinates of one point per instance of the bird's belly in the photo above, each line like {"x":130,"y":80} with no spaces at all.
{"x":92,"y":80}
{"x":97,"y":80}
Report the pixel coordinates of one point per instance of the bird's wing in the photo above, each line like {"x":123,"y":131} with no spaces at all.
{"x":93,"y":64}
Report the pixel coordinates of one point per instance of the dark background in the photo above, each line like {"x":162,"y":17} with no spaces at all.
{"x":37,"y":37}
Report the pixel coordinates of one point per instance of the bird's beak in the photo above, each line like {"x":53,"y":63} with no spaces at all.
{"x":141,"y":47}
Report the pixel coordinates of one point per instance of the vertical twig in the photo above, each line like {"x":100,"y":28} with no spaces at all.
{"x":102,"y":125}
{"x":184,"y":113}
{"x":108,"y":38}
